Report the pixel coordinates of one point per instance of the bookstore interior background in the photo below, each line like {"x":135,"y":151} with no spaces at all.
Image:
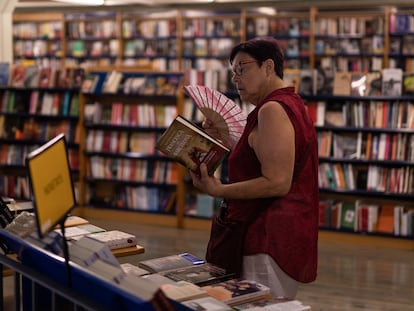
{"x":111,"y":79}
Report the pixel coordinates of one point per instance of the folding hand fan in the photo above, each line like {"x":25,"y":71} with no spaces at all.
{"x":227,"y":117}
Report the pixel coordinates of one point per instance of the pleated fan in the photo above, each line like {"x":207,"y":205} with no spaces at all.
{"x":226,"y":115}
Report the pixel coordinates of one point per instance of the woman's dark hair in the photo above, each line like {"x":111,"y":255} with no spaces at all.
{"x":261,"y":49}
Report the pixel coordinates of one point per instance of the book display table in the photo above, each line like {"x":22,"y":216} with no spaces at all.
{"x":44,"y":279}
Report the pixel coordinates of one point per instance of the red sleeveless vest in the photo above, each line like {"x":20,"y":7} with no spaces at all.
{"x":286,"y":228}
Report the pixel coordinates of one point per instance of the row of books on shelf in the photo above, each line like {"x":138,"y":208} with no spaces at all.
{"x":139,"y":143}
{"x":37,"y":48}
{"x":149,"y":28}
{"x":365,"y":46}
{"x":341,"y":26}
{"x":164,"y":47}
{"x":350,"y":25}
{"x":401,"y":23}
{"x":29,"y":129}
{"x":15,"y":186}
{"x":16,"y":155}
{"x":359,"y":216}
{"x":142,"y":114}
{"x":92,"y":29}
{"x":264,"y":26}
{"x":139,"y":198}
{"x":80,"y":48}
{"x":193,"y":27}
{"x":40,"y":102}
{"x":374,"y":178}
{"x":396,"y":114}
{"x":35,"y":30}
{"x":132,"y":170}
{"x":134,"y":143}
{"x":366,"y":146}
{"x":217,"y":47}
{"x":324,"y":81}
{"x":30,"y":75}
{"x":116,"y":81}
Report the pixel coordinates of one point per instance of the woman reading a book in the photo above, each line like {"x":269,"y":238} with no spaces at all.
{"x":272,"y":172}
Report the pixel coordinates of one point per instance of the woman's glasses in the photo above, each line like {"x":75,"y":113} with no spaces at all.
{"x":238,"y":69}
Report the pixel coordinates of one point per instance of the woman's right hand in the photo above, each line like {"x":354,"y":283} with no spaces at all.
{"x":209,"y":127}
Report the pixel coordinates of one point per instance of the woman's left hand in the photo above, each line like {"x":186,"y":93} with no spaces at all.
{"x":206,"y":183}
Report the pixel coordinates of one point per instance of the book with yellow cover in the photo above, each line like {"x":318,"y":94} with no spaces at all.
{"x":190,"y":145}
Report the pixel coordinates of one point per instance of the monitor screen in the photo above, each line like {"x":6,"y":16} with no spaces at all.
{"x":51,"y":184}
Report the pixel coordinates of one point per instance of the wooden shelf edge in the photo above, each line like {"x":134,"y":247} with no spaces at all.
{"x":365,"y":240}
{"x":128,"y":216}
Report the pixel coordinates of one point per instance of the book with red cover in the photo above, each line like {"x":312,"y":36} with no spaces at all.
{"x":190,"y":145}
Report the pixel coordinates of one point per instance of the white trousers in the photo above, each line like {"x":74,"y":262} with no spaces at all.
{"x":263,"y":269}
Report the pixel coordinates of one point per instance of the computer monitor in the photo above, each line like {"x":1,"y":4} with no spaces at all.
{"x":51,"y":184}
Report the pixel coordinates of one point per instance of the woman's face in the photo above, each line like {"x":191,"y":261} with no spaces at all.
{"x":247,"y":77}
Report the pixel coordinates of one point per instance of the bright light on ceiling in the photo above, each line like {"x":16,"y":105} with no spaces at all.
{"x":82,"y":2}
{"x":123,"y":2}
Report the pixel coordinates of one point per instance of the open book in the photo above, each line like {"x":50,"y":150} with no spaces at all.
{"x":225,"y":114}
{"x":190,"y":145}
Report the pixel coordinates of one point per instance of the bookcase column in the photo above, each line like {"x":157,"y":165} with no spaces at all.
{"x":6,"y":33}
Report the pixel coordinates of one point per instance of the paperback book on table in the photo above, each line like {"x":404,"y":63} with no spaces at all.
{"x":237,"y":291}
{"x":200,"y":275}
{"x":190,"y":145}
{"x":171,"y":262}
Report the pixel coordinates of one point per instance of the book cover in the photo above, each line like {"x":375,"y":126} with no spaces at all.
{"x":307,"y":83}
{"x":236,"y":291}
{"x":182,"y":290}
{"x":170,"y":262}
{"x":115,"y":238}
{"x":112,"y":82}
{"x":408,"y":83}
{"x":200,"y":275}
{"x":325,"y":79}
{"x":392,"y":79}
{"x":89,"y":83}
{"x":4,"y":73}
{"x":207,"y":304}
{"x":342,"y":83}
{"x":31,"y":76}
{"x":373,"y":85}
{"x":385,"y":223}
{"x":358,"y":83}
{"x":276,"y":304}
{"x":18,"y":74}
{"x":78,"y":76}
{"x":129,"y":268}
{"x":45,"y":77}
{"x":190,"y":145}
{"x":348,"y":216}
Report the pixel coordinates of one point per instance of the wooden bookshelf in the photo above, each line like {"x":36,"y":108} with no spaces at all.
{"x":120,"y":171}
